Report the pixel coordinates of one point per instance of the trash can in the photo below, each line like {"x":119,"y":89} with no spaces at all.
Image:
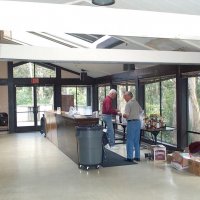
{"x":89,"y":146}
{"x":43,"y":125}
{"x":3,"y":119}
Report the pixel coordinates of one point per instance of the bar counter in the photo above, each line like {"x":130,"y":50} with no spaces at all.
{"x":61,"y":130}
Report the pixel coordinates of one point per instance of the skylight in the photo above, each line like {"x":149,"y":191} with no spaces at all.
{"x":30,"y":39}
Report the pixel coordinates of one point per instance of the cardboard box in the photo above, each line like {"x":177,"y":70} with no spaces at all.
{"x":197,"y":167}
{"x":158,"y":152}
{"x":194,"y":166}
{"x":191,"y":165}
{"x":180,"y":160}
{"x":169,"y":158}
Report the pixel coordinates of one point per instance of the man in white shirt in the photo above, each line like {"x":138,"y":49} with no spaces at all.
{"x":132,"y":115}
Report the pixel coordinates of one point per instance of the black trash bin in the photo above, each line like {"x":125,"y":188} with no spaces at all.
{"x":3,"y":119}
{"x":89,"y":146}
{"x":43,"y":125}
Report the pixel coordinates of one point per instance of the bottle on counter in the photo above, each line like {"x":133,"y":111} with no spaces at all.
{"x":58,"y":110}
{"x":158,"y":125}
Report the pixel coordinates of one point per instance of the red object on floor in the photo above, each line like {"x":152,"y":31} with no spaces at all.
{"x":194,"y":147}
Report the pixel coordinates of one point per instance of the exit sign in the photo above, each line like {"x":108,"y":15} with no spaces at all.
{"x":35,"y":80}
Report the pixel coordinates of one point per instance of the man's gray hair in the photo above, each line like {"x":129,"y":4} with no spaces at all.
{"x":112,"y":91}
{"x":130,"y":94}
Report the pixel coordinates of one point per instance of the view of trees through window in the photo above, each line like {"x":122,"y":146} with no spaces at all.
{"x":31,"y":70}
{"x":152,"y":98}
{"x":160,"y":98}
{"x":193,"y":108}
{"x":80,"y":97}
{"x":27,"y":107}
{"x":120,"y":92}
{"x":102,"y":93}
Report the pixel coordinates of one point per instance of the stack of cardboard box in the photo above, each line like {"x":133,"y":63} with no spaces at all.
{"x":183,"y":160}
{"x":180,"y":160}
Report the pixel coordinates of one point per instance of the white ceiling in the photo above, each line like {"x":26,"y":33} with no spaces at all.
{"x":191,"y":7}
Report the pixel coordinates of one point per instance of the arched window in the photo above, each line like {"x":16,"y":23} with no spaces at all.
{"x":32,"y":70}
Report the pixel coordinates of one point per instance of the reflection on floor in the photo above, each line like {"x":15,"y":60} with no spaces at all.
{"x":32,"y":168}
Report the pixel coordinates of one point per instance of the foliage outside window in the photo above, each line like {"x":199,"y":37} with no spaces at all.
{"x":160,"y":98}
{"x":168,"y":109}
{"x":121,"y":103}
{"x":132,"y":89}
{"x":80,"y":97}
{"x":193,"y":137}
{"x":120,"y":100}
{"x":31,"y":70}
{"x":45,"y":96}
{"x":152,"y":98}
{"x":24,"y":96}
{"x":26,"y":103}
{"x":69,"y":91}
{"x":44,"y":72}
{"x":120,"y":92}
{"x":194,"y":107}
{"x":102,"y":93}
{"x":168,"y":104}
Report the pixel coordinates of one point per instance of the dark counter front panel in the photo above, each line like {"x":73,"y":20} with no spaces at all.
{"x":65,"y":131}
{"x":66,"y":134}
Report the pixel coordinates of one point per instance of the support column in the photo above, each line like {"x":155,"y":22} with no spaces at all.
{"x":181,"y":108}
{"x":11,"y":99}
{"x":57,"y":89}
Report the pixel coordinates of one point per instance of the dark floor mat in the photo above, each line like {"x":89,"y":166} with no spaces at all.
{"x":112,"y":159}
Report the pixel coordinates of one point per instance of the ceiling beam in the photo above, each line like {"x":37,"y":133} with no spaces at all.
{"x":97,"y":20}
{"x":191,"y":43}
{"x":46,"y":54}
{"x":131,"y":40}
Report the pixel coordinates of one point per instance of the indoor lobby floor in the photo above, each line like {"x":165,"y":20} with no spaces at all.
{"x":32,"y":168}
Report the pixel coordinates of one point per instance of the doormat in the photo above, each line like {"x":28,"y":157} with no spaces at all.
{"x":112,"y":159}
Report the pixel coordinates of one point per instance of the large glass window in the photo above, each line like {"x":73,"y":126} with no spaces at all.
{"x":120,"y":92}
{"x":121,"y":103}
{"x":102,"y":93}
{"x":160,"y":99}
{"x":152,"y":98}
{"x":193,"y":107}
{"x":81,"y":96}
{"x":120,"y":100}
{"x":31,"y":70}
{"x":132,"y":89}
{"x":168,"y":104}
{"x":168,"y":109}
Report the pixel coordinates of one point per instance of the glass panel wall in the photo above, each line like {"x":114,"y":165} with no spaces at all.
{"x":121,"y":88}
{"x":193,"y":108}
{"x":44,"y":72}
{"x":80,"y":95}
{"x":168,"y":109}
{"x":102,"y":93}
{"x":160,"y":99}
{"x":152,"y":98}
{"x":120,"y":100}
{"x":31,"y":70}
{"x":45,"y":100}
{"x":25,"y":106}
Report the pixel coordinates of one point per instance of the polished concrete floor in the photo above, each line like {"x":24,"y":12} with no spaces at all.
{"x":32,"y":168}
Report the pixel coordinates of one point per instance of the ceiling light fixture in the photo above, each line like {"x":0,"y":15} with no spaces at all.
{"x":103,"y":2}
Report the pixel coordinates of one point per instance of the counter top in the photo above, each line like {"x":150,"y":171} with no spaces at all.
{"x":78,"y":119}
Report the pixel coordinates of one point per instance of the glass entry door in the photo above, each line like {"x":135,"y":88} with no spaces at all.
{"x":31,"y":103}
